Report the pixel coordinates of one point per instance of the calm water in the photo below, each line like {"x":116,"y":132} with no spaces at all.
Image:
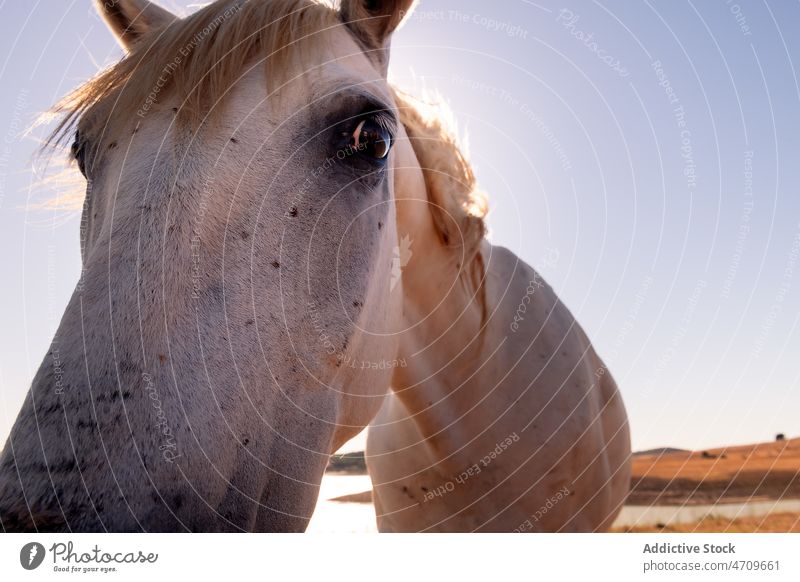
{"x":332,"y":517}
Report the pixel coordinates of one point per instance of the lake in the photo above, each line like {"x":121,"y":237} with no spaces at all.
{"x":335,"y":517}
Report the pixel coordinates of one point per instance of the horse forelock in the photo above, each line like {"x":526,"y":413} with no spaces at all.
{"x":198,"y":58}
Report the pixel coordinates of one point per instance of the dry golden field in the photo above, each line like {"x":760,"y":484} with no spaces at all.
{"x":741,"y":473}
{"x":773,"y":523}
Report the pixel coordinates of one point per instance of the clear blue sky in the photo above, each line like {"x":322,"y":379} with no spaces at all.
{"x":644,"y":156}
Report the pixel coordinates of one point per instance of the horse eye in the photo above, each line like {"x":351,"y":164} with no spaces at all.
{"x":371,"y":139}
{"x":78,"y":152}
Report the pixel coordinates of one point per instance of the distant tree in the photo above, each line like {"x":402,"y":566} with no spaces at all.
{"x":780,"y":437}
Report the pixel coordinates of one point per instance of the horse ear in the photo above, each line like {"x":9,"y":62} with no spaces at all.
{"x":373,"y":22}
{"x":130,"y":19}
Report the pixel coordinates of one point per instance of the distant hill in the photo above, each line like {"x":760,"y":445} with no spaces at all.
{"x":347,"y":463}
{"x":661,"y":451}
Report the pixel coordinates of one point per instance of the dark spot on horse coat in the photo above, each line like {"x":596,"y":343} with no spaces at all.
{"x":162,"y":358}
{"x":127,"y":367}
{"x":293,"y":211}
{"x":276,"y":264}
{"x":174,"y":109}
{"x":83,"y":425}
{"x":113,"y":396}
{"x":50,"y":408}
{"x":357,"y":304}
{"x":250,"y":322}
{"x":112,"y":145}
{"x":380,"y":225}
{"x":214,"y":291}
{"x":63,"y":466}
{"x":245,"y":235}
{"x":245,"y":441}
{"x":408,"y":493}
{"x":234,"y":140}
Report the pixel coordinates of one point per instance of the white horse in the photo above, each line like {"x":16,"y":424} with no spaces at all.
{"x":238,"y":237}
{"x":504,"y":418}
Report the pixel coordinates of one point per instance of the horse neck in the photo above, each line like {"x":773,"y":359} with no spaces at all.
{"x":441,"y":309}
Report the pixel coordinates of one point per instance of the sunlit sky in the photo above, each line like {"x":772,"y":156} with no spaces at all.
{"x":643,"y":156}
